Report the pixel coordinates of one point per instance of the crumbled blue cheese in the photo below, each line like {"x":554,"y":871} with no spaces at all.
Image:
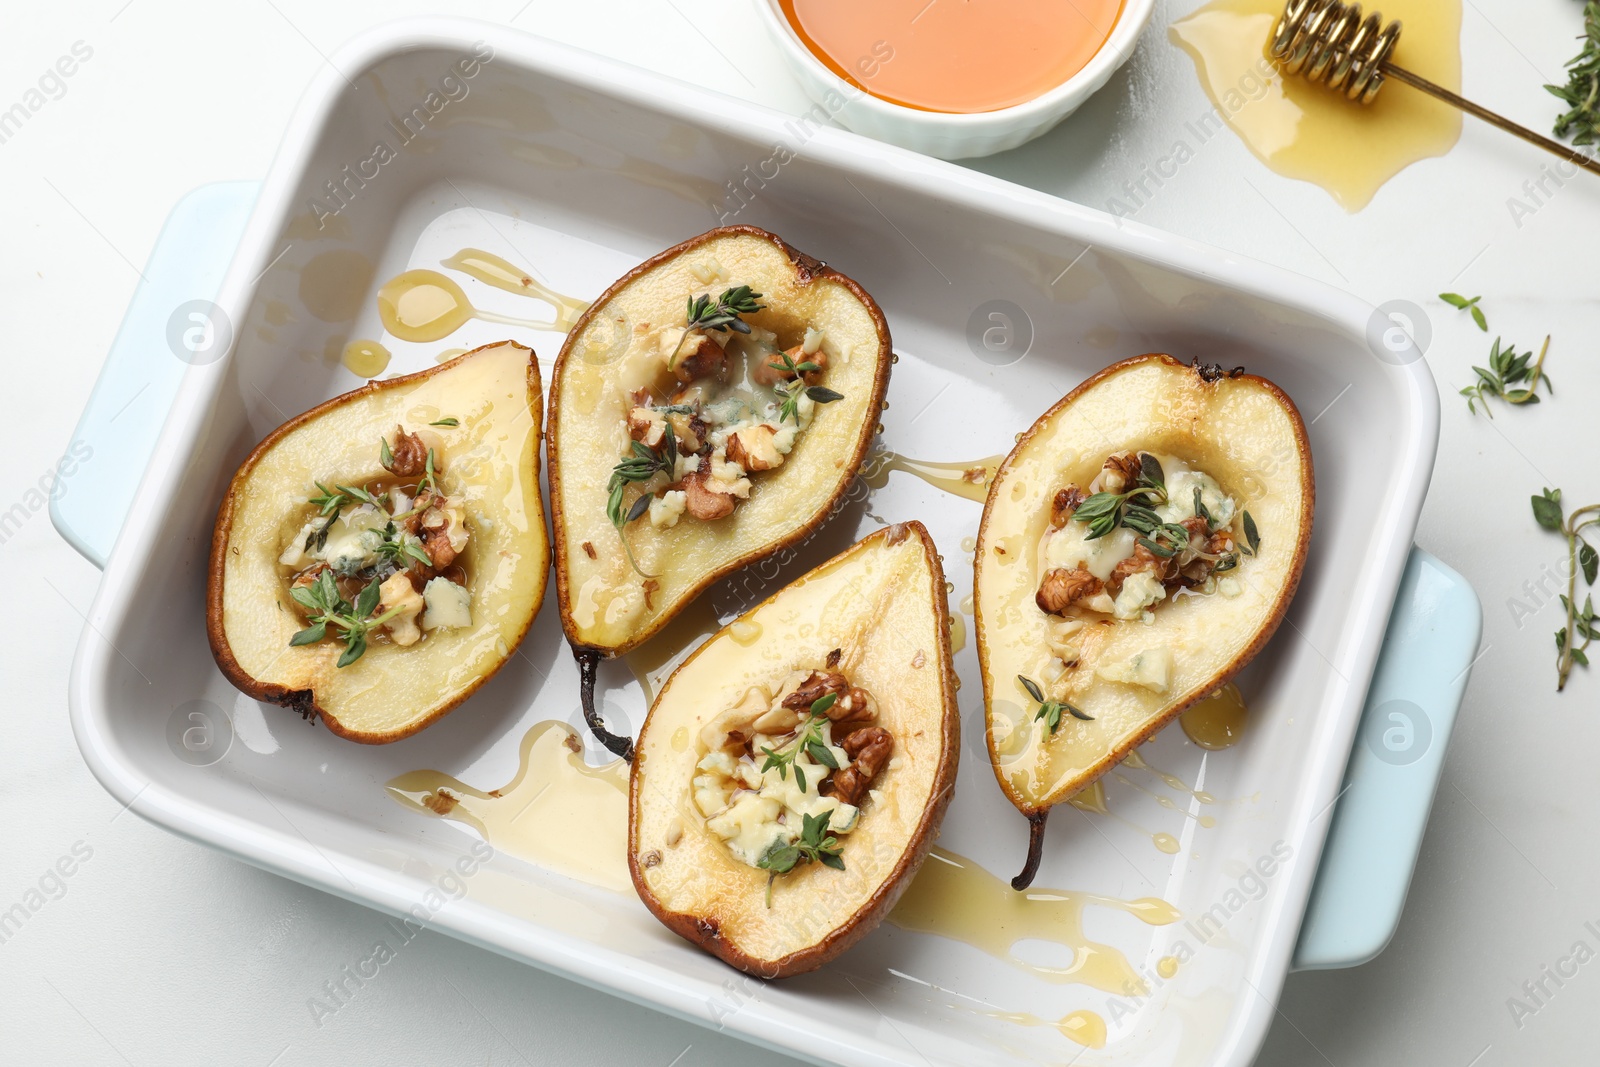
{"x":1139,"y":591}
{"x":448,"y":605}
{"x":1182,"y":481}
{"x":353,"y":540}
{"x":666,"y":508}
{"x":1071,"y":548}
{"x":1150,"y":669}
{"x":755,"y":811}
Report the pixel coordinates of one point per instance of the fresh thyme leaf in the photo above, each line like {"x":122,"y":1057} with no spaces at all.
{"x":1150,"y":473}
{"x":309,"y":636}
{"x":814,"y":844}
{"x":361,"y":494}
{"x":385,"y":456}
{"x":819,"y":753}
{"x":1513,"y":378}
{"x":1051,"y":710}
{"x":367,"y":599}
{"x":354,"y":648}
{"x":724,"y":314}
{"x":1200,"y":510}
{"x":1252,"y":536}
{"x":799,"y":776}
{"x":1582,"y":626}
{"x":451,"y":421}
{"x":645,"y":463}
{"x":1581,"y":123}
{"x":821,"y":705}
{"x":1547,"y":509}
{"x":1468,"y":304}
{"x":821,"y":394}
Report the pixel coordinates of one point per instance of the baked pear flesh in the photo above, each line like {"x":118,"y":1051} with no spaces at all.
{"x":708,"y":409}
{"x":379,"y":557}
{"x":848,"y":666}
{"x":1138,"y":547}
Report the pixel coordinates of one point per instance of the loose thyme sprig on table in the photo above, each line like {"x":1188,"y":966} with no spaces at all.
{"x":1509,"y":377}
{"x":1050,"y":710}
{"x":1581,"y":124}
{"x":1462,"y":303}
{"x":1582,"y":625}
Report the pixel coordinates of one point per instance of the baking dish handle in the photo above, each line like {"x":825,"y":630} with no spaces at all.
{"x":1394,"y":769}
{"x":96,"y":478}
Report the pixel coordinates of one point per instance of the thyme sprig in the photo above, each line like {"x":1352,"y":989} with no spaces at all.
{"x":1513,"y":378}
{"x":1050,"y":710}
{"x":1581,"y":123}
{"x":644,"y":463}
{"x":793,"y":390}
{"x":1103,"y":512}
{"x":808,"y":740}
{"x":815,"y":844}
{"x":321,"y":598}
{"x":1468,"y":304}
{"x":1583,"y":626}
{"x":724,"y":314}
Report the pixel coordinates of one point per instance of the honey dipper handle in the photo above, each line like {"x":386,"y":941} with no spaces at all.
{"x":1566,"y":152}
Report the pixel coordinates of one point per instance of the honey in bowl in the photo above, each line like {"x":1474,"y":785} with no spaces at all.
{"x":955,"y":56}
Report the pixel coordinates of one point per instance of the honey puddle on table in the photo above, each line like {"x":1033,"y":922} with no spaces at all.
{"x":557,"y":812}
{"x":1306,"y":131}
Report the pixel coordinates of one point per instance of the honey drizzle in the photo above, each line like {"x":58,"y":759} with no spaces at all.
{"x":954,"y":897}
{"x":557,"y":812}
{"x":970,"y":479}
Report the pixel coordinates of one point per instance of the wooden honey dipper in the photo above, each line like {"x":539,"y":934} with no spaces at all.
{"x":1329,"y":42}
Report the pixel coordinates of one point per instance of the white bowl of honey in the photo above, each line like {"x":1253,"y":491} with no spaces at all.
{"x":952,"y":78}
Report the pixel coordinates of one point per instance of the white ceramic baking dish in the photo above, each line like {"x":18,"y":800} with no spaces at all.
{"x":580,"y":167}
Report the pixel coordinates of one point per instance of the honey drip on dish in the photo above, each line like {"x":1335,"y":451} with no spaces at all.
{"x":955,"y":898}
{"x":502,"y":274}
{"x":970,"y":480}
{"x":1218,"y":721}
{"x":653,"y":661}
{"x":1085,"y":1027}
{"x":365,"y":358}
{"x":1306,"y":131}
{"x":558,"y":812}
{"x":424,"y":305}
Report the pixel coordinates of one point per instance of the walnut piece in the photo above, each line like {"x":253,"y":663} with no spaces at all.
{"x":1062,"y":587}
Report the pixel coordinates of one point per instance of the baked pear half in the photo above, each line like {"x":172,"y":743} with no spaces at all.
{"x":709,"y":408}
{"x":1139,"y":546}
{"x":379,"y":557}
{"x":794,"y":770}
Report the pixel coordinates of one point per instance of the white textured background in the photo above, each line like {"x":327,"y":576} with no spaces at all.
{"x":163,"y":952}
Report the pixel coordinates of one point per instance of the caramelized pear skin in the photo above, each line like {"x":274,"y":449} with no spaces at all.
{"x":882,"y":605}
{"x":605,"y":603}
{"x":1118,"y":678}
{"x":484,"y":411}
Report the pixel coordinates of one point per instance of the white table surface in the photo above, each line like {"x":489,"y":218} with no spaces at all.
{"x":160,"y":951}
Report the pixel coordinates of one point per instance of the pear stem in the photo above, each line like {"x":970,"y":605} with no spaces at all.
{"x":588,"y":671}
{"x":1035,"y":850}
